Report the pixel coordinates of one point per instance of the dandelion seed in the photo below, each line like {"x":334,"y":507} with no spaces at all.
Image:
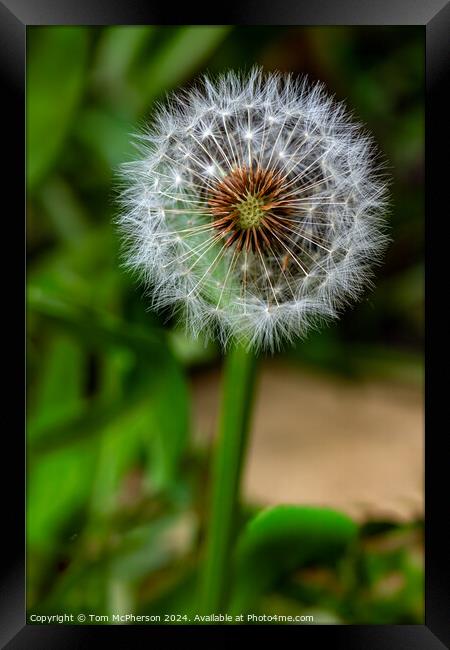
{"x":256,"y":207}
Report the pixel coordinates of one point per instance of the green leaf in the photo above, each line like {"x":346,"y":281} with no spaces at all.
{"x":154,"y":416}
{"x":57,"y":487}
{"x":65,"y":273}
{"x":168,"y":420}
{"x":97,"y":328}
{"x":56,"y":69}
{"x":154,"y":427}
{"x":179,"y":57}
{"x":117,"y":49}
{"x":284,"y":538}
{"x":108,"y":134}
{"x":58,"y":393}
{"x":118,"y":452}
{"x":64,"y":209}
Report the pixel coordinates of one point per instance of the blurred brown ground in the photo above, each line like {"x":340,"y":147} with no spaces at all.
{"x":321,"y":440}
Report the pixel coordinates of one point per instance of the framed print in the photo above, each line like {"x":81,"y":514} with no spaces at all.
{"x":228,"y":259}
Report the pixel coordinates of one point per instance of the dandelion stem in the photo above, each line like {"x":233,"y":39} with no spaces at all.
{"x":237,"y":399}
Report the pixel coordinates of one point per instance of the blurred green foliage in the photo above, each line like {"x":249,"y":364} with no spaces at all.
{"x":115,"y":508}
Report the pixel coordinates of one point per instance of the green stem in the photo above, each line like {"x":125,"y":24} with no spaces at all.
{"x":237,"y":398}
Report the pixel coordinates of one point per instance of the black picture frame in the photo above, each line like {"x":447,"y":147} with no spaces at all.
{"x":434,"y":16}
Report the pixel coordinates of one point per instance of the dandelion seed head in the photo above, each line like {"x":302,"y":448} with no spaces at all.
{"x":256,"y":208}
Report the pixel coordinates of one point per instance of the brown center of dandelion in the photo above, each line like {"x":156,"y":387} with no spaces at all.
{"x":250,"y":207}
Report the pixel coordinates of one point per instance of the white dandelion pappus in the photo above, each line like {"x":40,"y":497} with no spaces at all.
{"x":256,"y":207}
